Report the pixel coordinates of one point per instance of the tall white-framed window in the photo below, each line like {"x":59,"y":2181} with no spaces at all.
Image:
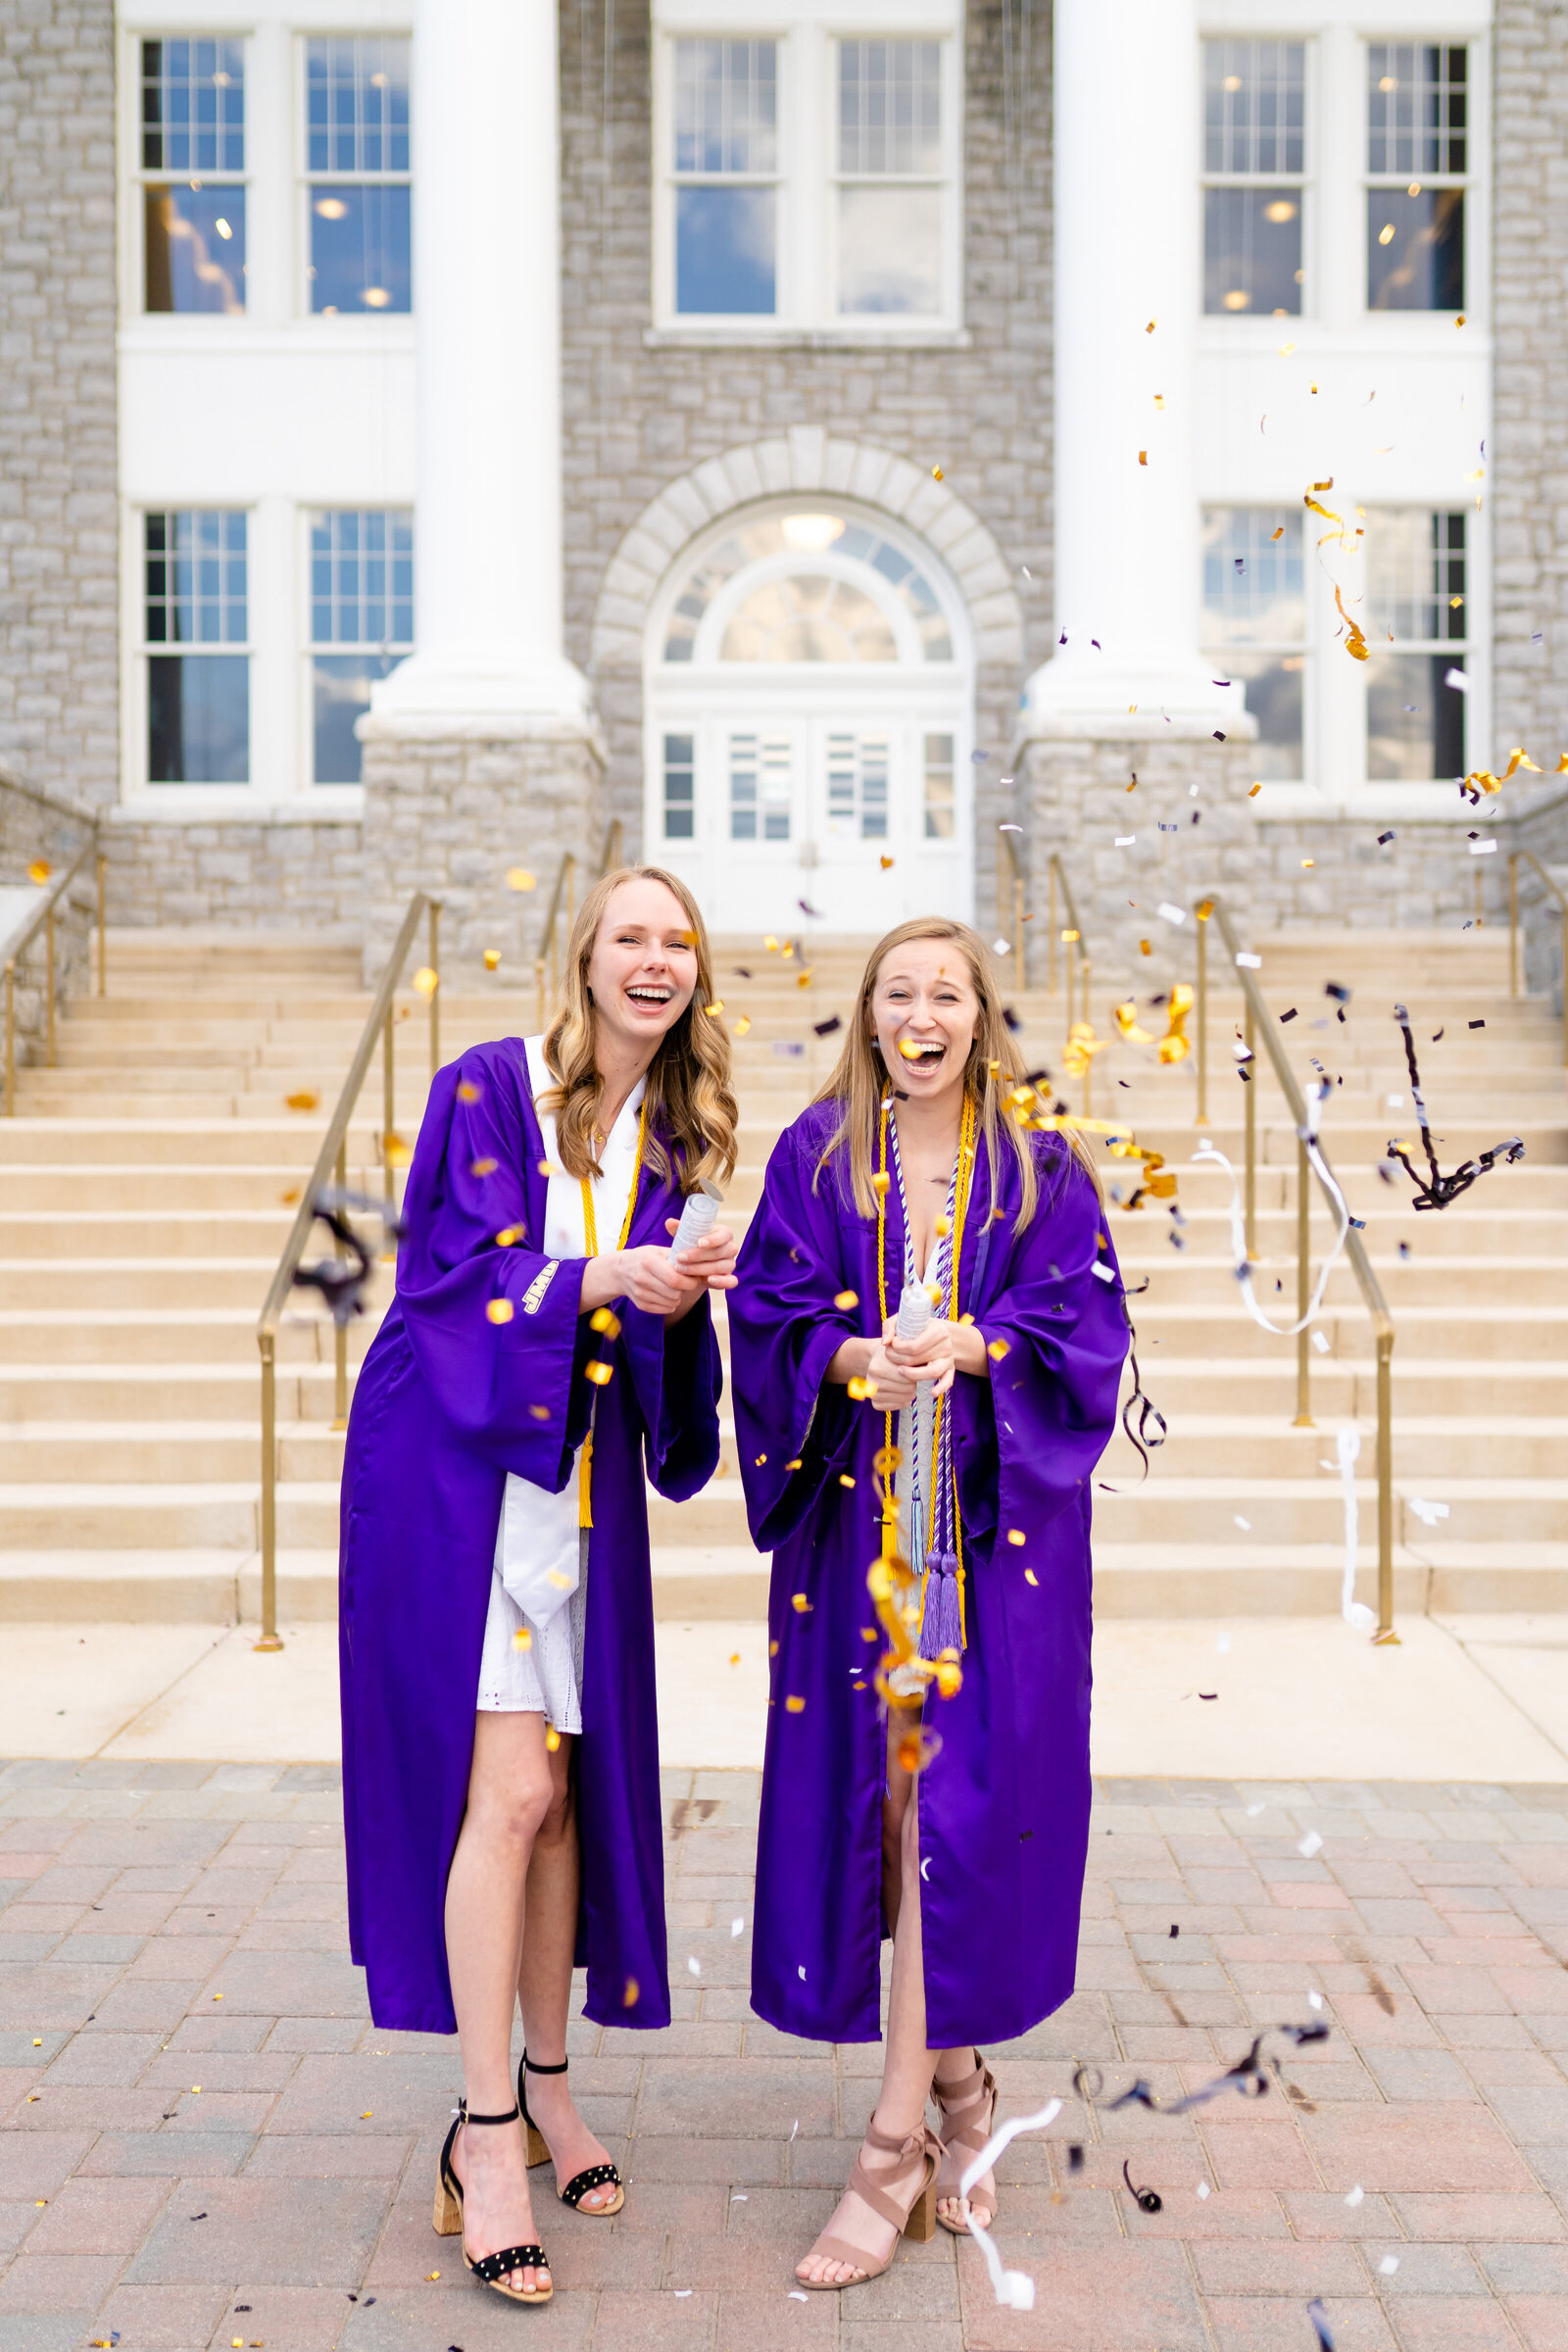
{"x":1418,"y":159}
{"x":1255,"y":624}
{"x":190,"y":171}
{"x":357,"y":161}
{"x":1254,"y":177}
{"x":196,"y":647}
{"x":1419,"y":630}
{"x":807,"y":175}
{"x":361,"y":624}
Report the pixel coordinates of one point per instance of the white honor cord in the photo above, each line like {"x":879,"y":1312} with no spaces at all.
{"x":1244,"y":1269}
{"x":1014,"y":2290}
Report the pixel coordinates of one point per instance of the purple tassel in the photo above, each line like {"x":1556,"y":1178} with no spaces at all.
{"x":940,"y":1627}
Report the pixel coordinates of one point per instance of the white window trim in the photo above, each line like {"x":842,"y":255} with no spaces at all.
{"x":806,"y":180}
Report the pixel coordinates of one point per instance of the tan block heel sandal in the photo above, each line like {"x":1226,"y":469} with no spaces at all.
{"x":492,"y":2269}
{"x":595,"y":2176}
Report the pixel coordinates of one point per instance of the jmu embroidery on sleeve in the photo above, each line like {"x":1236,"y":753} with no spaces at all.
{"x":536,"y":1289}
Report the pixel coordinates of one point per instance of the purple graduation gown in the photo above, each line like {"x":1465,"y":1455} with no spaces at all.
{"x":448,"y":1402}
{"x":1005,"y":1805}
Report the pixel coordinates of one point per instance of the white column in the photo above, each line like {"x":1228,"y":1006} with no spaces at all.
{"x":487,"y":334}
{"x":1128,"y":252}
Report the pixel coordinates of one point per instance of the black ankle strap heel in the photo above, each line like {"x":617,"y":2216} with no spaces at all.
{"x":493,"y":2268}
{"x":597,"y":2176}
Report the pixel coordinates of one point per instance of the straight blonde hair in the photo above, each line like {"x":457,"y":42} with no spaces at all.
{"x":992,"y":1073}
{"x":688,"y":1093}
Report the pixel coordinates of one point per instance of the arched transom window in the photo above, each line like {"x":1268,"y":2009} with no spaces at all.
{"x":811,"y":586}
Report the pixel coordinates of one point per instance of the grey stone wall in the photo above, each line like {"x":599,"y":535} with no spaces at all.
{"x":638,"y":417}
{"x":455,"y":818}
{"x":59,"y":513}
{"x":1528,"y":456}
{"x":249,"y":877}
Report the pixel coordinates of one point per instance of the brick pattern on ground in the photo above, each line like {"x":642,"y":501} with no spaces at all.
{"x":205,"y":2142}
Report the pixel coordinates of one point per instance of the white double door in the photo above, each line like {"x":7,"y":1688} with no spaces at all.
{"x":844,"y":824}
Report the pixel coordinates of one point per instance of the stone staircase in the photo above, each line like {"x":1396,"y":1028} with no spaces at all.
{"x":145,"y":1194}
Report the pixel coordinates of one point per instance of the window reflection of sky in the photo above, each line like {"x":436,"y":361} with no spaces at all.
{"x":1253,"y":590}
{"x":724,"y":247}
{"x":360,"y":247}
{"x":195,"y":249}
{"x":890,"y":249}
{"x":771,"y":535}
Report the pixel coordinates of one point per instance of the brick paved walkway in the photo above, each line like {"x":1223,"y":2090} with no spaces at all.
{"x":205,"y":2142}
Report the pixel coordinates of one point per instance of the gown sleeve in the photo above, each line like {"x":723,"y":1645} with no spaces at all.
{"x":505,"y":1384}
{"x":676,"y":1374}
{"x":1040,"y":1423}
{"x":785,"y":1330}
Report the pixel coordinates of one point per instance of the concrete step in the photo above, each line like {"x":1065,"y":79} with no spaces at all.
{"x":153,"y":1336}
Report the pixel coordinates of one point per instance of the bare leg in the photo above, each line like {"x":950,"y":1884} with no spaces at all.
{"x":544,"y":1981}
{"x":907,"y":2065}
{"x":509,"y":1797}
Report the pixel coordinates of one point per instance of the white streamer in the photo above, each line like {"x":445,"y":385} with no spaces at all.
{"x":1356,"y":1614}
{"x":1014,"y":2290}
{"x":1244,"y":1268}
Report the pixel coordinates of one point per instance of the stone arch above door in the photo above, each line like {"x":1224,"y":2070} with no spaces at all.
{"x":807,"y":458}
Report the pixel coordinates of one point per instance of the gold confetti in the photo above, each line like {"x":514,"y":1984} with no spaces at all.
{"x":996,"y":1349}
{"x":197,"y":2089}
{"x":605,"y":1319}
{"x":510,"y":1236}
{"x":845,"y":1299}
{"x":522,"y":1638}
{"x":540,"y":1412}
{"x":1278,"y":534}
{"x":1257,"y":789}
{"x":1142,"y":457}
{"x":801,"y":1603}
{"x":499,"y":1310}
{"x":290,"y":1198}
{"x":885,"y":864}
{"x":916,"y":1749}
{"x":742,"y":1025}
{"x":845,"y":1479}
{"x":717,"y":1006}
{"x":1159,"y":400}
{"x":218,"y":1996}
{"x":804,"y":979}
{"x":552,"y":1738}
{"x":306,"y":1098}
{"x":366,"y":2115}
{"x":37,"y":2043}
{"x":860,"y":1389}
{"x":769,"y":942}
{"x":794,"y":1465}
{"x":1015,"y":1535}
{"x":772,"y":1649}
{"x":760,"y":1459}
{"x":1133,"y":786}
{"x":492,"y":958}
{"x":1306,"y":861}
{"x":467,"y":1091}
{"x":429,"y":2275}
{"x":519,"y":878}
{"x":483,"y":1167}
{"x":937,"y":475}
{"x":1149,"y":328}
{"x":599,"y":1374}
{"x":1460,"y":321}
{"x":39,"y":871}
{"x":628,"y":1999}
{"x":397,"y":1151}
{"x":795,"y":1706}
{"x":734,"y":1657}
{"x":553,"y":1576}
{"x":426,"y":981}
{"x":1030,"y":1578}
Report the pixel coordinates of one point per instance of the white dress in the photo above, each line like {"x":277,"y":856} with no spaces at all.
{"x":536,"y":1584}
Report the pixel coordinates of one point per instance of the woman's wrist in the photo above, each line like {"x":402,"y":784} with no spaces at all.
{"x":603,"y":1279}
{"x":850,"y":1361}
{"x":969,"y":1351}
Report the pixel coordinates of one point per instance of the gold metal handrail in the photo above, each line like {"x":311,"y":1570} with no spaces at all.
{"x":43,"y":918}
{"x":1070,"y":936}
{"x":1551,"y":887}
{"x":332,"y":1164}
{"x":1258,"y":1024}
{"x":1013,"y":899}
{"x":550,"y":938}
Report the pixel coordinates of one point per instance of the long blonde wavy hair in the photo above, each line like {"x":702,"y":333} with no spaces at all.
{"x":688,"y":1094}
{"x":993,"y":1070}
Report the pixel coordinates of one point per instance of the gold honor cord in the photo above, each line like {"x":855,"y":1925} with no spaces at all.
{"x":888,"y":1460}
{"x":585,"y":1460}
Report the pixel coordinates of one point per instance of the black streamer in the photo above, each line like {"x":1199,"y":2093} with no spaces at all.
{"x":1439,"y":1190}
{"x":1149,"y":2200}
{"x":1249,"y":2076}
{"x":1150,"y":1432}
{"x":342,"y":1281}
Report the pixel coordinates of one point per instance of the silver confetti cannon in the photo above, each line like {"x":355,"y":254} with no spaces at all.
{"x":915,"y":1310}
{"x":699,"y":1214}
{"x":914,"y":1314}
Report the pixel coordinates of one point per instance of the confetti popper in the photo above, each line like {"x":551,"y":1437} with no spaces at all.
{"x":914,"y":1314}
{"x":697,"y":1216}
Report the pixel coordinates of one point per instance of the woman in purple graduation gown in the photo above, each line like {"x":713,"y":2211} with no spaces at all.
{"x":500,"y":1744}
{"x":914,"y":1168}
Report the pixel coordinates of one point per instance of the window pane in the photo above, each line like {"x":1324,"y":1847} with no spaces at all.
{"x":1252,"y":250}
{"x":857,"y":786}
{"x":340,"y":685}
{"x":680,"y":789}
{"x":356,"y":105}
{"x":1273,"y":684}
{"x":360,"y":241}
{"x":1415,"y":573}
{"x":195,"y":249}
{"x":890,"y":100}
{"x":724,"y":251}
{"x":198,"y":718}
{"x":759,"y":788}
{"x":939,"y":802}
{"x":195,"y":578}
{"x":890,"y":249}
{"x":1255,"y":106}
{"x":727,"y":106}
{"x":1416,"y":249}
{"x":362,"y":577}
{"x":1415,"y":106}
{"x":1414,"y":718}
{"x":1252,"y":584}
{"x":193,"y":106}
{"x":808,"y":619}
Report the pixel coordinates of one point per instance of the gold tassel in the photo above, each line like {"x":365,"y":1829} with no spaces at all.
{"x":585,"y":1481}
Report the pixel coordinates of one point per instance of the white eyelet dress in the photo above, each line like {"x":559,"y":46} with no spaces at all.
{"x":538,"y":1583}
